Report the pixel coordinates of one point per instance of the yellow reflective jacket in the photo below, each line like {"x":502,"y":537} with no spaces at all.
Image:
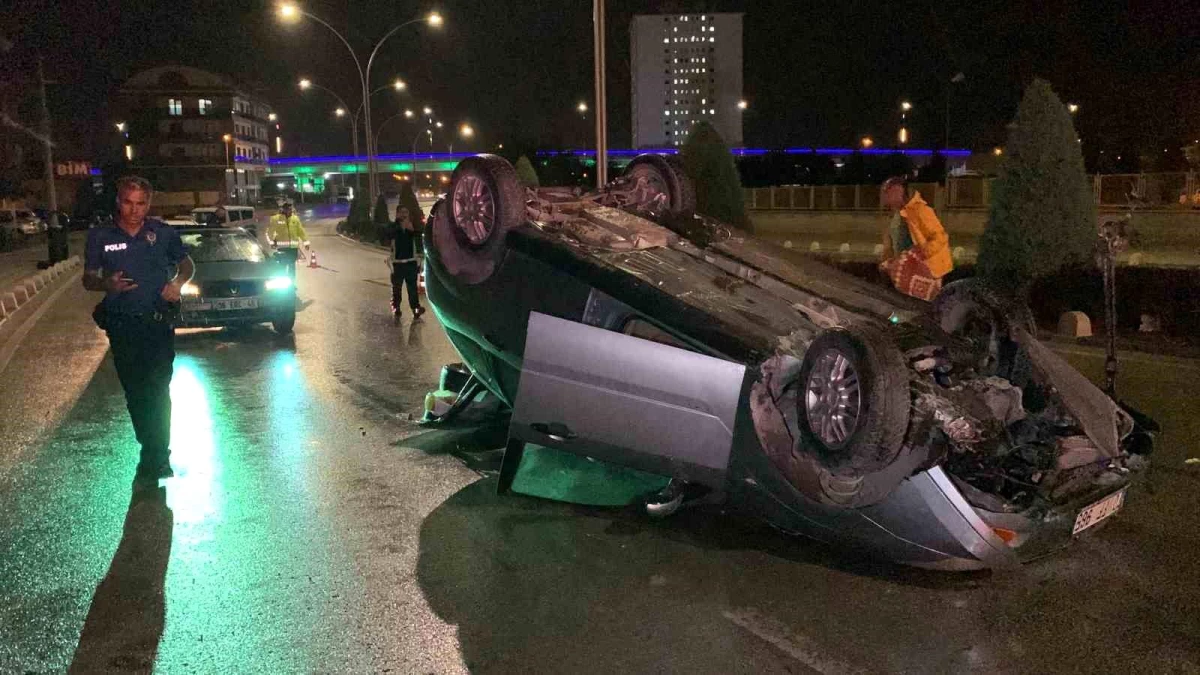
{"x":286,"y":232}
{"x":927,"y":234}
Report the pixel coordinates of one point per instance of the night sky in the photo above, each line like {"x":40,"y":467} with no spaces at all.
{"x":815,"y":73}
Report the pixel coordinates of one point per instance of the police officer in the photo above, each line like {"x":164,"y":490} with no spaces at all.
{"x":286,"y":233}
{"x":130,"y":262}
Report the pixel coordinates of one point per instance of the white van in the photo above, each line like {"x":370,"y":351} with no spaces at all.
{"x":225,"y":216}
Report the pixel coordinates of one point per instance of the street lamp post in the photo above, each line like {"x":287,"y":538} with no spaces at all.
{"x":290,"y":11}
{"x":598,"y":38}
{"x":307,"y":83}
{"x":466,"y":131}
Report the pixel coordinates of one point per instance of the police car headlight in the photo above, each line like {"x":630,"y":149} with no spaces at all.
{"x":279,"y":283}
{"x":189,"y":289}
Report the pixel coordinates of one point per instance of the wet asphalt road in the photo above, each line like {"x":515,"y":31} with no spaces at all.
{"x":312,"y":527}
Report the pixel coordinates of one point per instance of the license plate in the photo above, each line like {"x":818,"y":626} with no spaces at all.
{"x":1098,"y":511}
{"x":223,"y":304}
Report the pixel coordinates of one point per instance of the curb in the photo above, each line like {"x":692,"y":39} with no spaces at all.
{"x":23,"y":291}
{"x":373,"y":247}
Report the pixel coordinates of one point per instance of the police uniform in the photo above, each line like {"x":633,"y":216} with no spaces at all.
{"x":139,"y":328}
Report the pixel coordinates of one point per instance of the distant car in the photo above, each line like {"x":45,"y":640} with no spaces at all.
{"x":29,"y":223}
{"x":622,"y":326}
{"x":184,"y":220}
{"x":234,"y":216}
{"x":236,"y":282}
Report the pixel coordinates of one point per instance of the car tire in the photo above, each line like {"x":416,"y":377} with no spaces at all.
{"x":666,"y":173}
{"x":852,"y":405}
{"x":485,"y":201}
{"x":284,"y":324}
{"x":969,"y":308}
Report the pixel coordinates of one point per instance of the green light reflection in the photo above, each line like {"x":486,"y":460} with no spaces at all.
{"x":193,"y":445}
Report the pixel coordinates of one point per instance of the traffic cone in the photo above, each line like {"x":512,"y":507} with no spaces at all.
{"x":312,"y":260}
{"x":421,"y":284}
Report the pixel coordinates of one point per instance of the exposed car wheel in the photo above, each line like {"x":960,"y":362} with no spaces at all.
{"x":853,"y":404}
{"x":663,"y":175}
{"x":284,"y":324}
{"x":970,"y":309}
{"x":485,"y":201}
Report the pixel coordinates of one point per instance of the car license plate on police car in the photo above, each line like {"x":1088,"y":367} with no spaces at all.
{"x":224,"y":304}
{"x":1099,"y":511}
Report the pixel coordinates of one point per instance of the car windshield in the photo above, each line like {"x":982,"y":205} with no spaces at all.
{"x":222,"y":247}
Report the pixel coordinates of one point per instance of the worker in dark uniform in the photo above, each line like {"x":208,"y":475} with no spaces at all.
{"x":403,"y":234}
{"x":131,"y":263}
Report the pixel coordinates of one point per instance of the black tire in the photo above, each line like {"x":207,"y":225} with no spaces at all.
{"x":873,"y":440}
{"x":284,"y":324}
{"x":485,"y":201}
{"x":666,"y":171}
{"x":970,"y":309}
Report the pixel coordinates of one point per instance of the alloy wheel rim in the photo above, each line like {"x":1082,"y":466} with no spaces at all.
{"x":833,"y":398}
{"x":474,"y":208}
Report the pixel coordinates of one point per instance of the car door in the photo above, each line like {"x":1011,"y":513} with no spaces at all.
{"x":626,"y":400}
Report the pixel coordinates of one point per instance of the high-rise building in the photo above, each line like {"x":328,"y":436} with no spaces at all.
{"x":686,"y":68}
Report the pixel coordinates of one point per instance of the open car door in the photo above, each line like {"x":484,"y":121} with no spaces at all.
{"x":625,"y":400}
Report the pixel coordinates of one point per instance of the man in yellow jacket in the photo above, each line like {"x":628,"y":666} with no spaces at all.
{"x":286,"y":233}
{"x":916,"y":249}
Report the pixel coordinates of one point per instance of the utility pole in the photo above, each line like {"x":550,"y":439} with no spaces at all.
{"x":51,"y":193}
{"x":601,"y":96}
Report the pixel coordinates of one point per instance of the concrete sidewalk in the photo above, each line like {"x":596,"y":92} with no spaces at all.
{"x":21,"y":263}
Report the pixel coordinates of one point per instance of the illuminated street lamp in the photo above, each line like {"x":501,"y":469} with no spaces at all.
{"x":997,"y":151}
{"x":1072,"y":108}
{"x":905,"y":106}
{"x":290,"y":12}
{"x":427,"y":110}
{"x":409,"y":114}
{"x":272,"y":117}
{"x":227,"y":138}
{"x":306,"y":84}
{"x":743,"y":104}
{"x":867,"y":142}
{"x":121,"y":127}
{"x":582,"y":108}
{"x":399,"y":85}
{"x":340,"y":112}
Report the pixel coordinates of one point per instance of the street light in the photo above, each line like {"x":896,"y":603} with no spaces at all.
{"x":905,"y":106}
{"x":464,"y":130}
{"x":121,"y":127}
{"x":399,"y":85}
{"x":227,"y":138}
{"x":997,"y":151}
{"x":867,"y":142}
{"x":290,"y":12}
{"x":306,"y":84}
{"x":272,"y":117}
{"x":427,"y":110}
{"x":1072,"y":108}
{"x":582,"y":108}
{"x":409,"y":114}
{"x":743,"y":104}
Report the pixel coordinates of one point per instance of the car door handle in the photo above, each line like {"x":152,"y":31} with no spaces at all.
{"x":555,"y":430}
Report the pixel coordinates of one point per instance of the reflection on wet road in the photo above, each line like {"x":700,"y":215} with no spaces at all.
{"x":311,"y":527}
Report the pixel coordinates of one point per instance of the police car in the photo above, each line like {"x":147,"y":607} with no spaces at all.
{"x":236,"y":282}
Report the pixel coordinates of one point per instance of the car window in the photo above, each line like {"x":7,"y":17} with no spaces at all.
{"x":222,"y":247}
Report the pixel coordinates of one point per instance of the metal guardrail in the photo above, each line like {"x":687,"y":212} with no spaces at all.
{"x":1170,"y":191}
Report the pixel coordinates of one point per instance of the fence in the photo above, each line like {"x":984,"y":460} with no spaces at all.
{"x":1170,"y":191}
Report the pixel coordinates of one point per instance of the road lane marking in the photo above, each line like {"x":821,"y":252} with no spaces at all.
{"x":780,"y":636}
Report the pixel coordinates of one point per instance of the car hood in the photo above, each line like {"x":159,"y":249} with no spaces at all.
{"x":241,"y":270}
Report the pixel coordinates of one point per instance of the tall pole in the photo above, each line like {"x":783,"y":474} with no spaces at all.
{"x":51,"y":193}
{"x":601,"y":95}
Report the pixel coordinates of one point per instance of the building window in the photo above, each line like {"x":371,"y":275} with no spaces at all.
{"x":205,"y":106}
{"x":175,"y":106}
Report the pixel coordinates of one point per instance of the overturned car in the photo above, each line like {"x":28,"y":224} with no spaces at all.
{"x":622,"y":326}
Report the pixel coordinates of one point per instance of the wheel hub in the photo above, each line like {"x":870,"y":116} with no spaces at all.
{"x":832,"y":398}
{"x":474,"y":208}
